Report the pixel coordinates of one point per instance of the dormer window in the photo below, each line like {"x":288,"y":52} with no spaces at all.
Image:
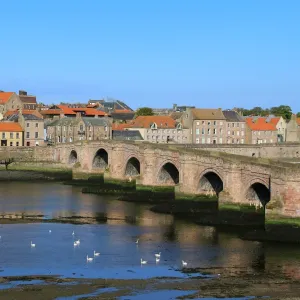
{"x":179,"y":126}
{"x":153,"y":126}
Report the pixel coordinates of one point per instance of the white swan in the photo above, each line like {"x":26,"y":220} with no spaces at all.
{"x":32,"y":245}
{"x":157,"y":255}
{"x":73,"y":233}
{"x":143,"y":262}
{"x":137,"y":241}
{"x":89,"y":258}
{"x":184,"y":263}
{"x":50,"y":231}
{"x":157,"y":259}
{"x":96,"y":253}
{"x":77,"y":242}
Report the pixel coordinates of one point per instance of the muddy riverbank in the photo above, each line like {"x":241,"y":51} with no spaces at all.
{"x":273,"y":286}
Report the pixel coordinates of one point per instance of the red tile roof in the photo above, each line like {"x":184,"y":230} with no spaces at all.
{"x":147,"y":121}
{"x":275,"y":120}
{"x":260,"y":124}
{"x":116,"y":126}
{"x":67,"y":110}
{"x":24,"y":111}
{"x":10,"y":127}
{"x":4,"y":96}
{"x":89,"y":111}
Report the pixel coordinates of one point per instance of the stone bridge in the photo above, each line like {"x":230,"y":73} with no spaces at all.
{"x":233,"y":178}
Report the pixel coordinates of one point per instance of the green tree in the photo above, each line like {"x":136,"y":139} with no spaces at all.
{"x":144,"y":111}
{"x":298,"y":115}
{"x":284,"y":111}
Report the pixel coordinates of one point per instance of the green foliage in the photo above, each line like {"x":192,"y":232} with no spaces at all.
{"x":144,"y":111}
{"x":284,"y":111}
{"x":298,"y":115}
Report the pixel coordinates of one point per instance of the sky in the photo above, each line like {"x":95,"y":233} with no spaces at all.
{"x":206,"y":53}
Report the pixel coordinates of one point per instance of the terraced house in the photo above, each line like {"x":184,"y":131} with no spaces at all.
{"x":9,"y":101}
{"x":70,"y":129}
{"x":11,"y":134}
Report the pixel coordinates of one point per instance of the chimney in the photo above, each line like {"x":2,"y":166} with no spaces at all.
{"x":22,"y":93}
{"x":78,"y":115}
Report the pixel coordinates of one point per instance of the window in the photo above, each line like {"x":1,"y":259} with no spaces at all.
{"x":71,"y":140}
{"x":221,"y":130}
{"x":242,"y":141}
{"x":27,"y":125}
{"x":242,"y":133}
{"x":228,"y":132}
{"x":271,"y":141}
{"x":237,"y":124}
{"x":237,"y":133}
{"x":203,"y":141}
{"x":90,"y":128}
{"x":36,"y":135}
{"x":254,"y":132}
{"x":197,"y":123}
{"x":237,"y":141}
{"x":197,"y":131}
{"x":208,"y":131}
{"x":81,"y":127}
{"x":28,"y":144}
{"x":105,"y":128}
{"x":265,"y":141}
{"x":203,"y":122}
{"x":243,"y":125}
{"x":11,"y":135}
{"x":64,"y":128}
{"x":215,"y":123}
{"x":232,"y":132}
{"x":3,"y":135}
{"x":17,"y":135}
{"x":221,"y":123}
{"x":36,"y":125}
{"x":220,"y":141}
{"x":208,"y":123}
{"x":203,"y":131}
{"x":197,"y":141}
{"x":27,"y":135}
{"x":232,"y":141}
{"x":228,"y":125}
{"x":215,"y":130}
{"x":232,"y":125}
{"x":17,"y":143}
{"x":11,"y":144}
{"x":208,"y":140}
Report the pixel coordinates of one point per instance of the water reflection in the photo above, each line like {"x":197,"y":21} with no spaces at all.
{"x":201,"y":246}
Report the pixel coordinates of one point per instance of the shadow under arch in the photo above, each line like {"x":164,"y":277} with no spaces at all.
{"x":258,"y":192}
{"x":168,"y":174}
{"x":210,"y":183}
{"x":73,"y":157}
{"x":133,"y":167}
{"x":100,"y":159}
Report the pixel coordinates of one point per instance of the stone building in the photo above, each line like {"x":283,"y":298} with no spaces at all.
{"x":70,"y":129}
{"x":32,"y":123}
{"x":159,"y":129}
{"x":235,"y":127}
{"x":28,"y":101}
{"x":259,"y":131}
{"x":9,"y":101}
{"x":293,"y":130}
{"x":206,"y":126}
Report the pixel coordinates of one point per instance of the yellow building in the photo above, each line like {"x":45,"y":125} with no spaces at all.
{"x":11,"y":134}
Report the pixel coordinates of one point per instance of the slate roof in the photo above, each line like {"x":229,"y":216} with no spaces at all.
{"x":28,"y":99}
{"x":119,"y":115}
{"x":232,"y":116}
{"x":69,"y":121}
{"x":126,"y":135}
{"x":207,"y":114}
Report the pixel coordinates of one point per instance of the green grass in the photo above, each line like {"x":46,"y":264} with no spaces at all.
{"x":239,"y":207}
{"x":282,"y":221}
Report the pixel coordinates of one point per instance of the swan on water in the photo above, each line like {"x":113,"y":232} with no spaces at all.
{"x":143,"y":262}
{"x":89,"y":258}
{"x":96,"y":253}
{"x":184,"y":263}
{"x":157,"y":255}
{"x":31,"y":244}
{"x":137,"y":241}
{"x":157,"y":259}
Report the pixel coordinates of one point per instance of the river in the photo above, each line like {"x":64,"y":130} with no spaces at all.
{"x":203,"y":248}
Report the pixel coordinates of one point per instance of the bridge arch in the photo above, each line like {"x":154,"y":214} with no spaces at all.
{"x":210,"y":182}
{"x":168,"y":174}
{"x":258,"y":190}
{"x":100,"y":160}
{"x":133,"y":167}
{"x":73,"y":157}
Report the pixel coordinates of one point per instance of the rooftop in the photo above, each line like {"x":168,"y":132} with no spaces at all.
{"x":148,"y":121}
{"x":5,"y":96}
{"x":208,"y":114}
{"x":10,"y":127}
{"x":260,"y":124}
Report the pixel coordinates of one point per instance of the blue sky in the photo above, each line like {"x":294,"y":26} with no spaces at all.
{"x":207,"y":53}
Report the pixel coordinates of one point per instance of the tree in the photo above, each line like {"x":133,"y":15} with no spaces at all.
{"x":144,"y":111}
{"x":298,"y":115}
{"x":284,"y":111}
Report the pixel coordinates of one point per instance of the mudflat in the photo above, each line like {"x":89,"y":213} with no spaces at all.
{"x":272,"y":285}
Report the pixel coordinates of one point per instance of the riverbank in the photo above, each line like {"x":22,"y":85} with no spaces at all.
{"x":274,"y":286}
{"x":35,"y":171}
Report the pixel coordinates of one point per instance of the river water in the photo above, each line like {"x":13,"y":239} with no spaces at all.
{"x":200,"y":246}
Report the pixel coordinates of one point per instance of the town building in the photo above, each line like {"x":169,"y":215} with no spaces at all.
{"x":9,"y":101}
{"x":32,"y":123}
{"x":69,"y":129}
{"x":126,"y":135}
{"x":205,"y":126}
{"x":235,"y":132}
{"x":260,"y":131}
{"x":280,"y":125}
{"x":159,"y":129}
{"x":28,"y":101}
{"x":11,"y":134}
{"x":293,"y":129}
